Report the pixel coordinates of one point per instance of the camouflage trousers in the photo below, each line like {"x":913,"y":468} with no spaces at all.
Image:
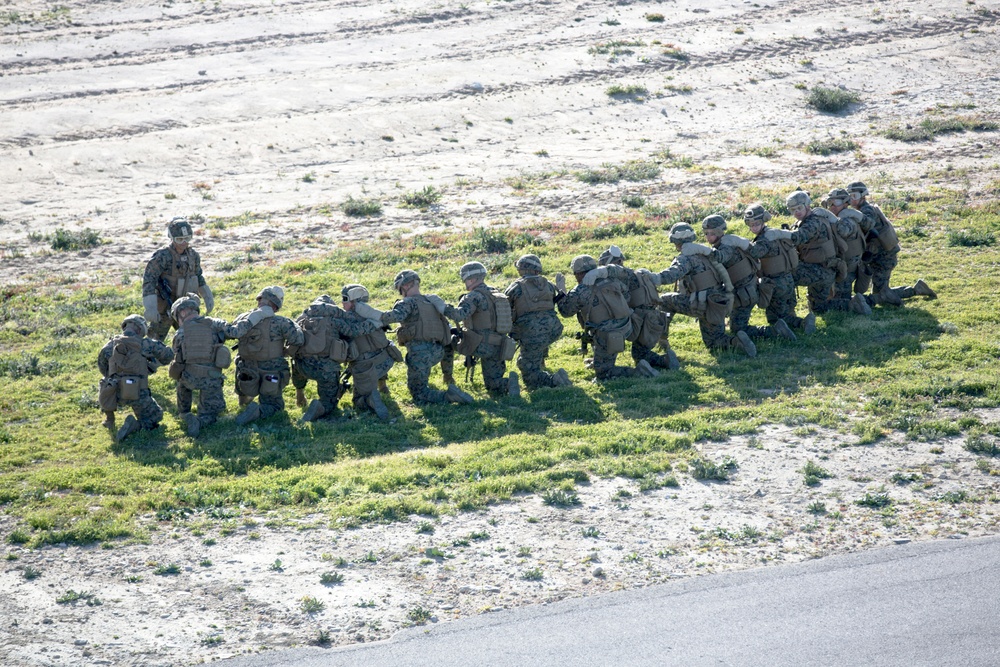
{"x":604,"y":364}
{"x":640,"y":352}
{"x":881,"y":266}
{"x":146,"y":410}
{"x":494,"y":368}
{"x":854,"y":283}
{"x":739,"y":320}
{"x":531,"y":363}
{"x":783,"y":301}
{"x":211,"y":402}
{"x":366,"y":373}
{"x":421,"y":357}
{"x":535,"y":332}
{"x":271,"y":404}
{"x":713,"y":335}
{"x":326,"y":373}
{"x":818,"y":281}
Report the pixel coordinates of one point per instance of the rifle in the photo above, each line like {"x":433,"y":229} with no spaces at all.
{"x":585,"y":338}
{"x":470,"y":369}
{"x":343,"y":382}
{"x":163,"y":290}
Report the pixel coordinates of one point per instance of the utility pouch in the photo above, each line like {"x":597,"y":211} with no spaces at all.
{"x":716,"y":308}
{"x":223,"y":356}
{"x":614,"y":341}
{"x":654,"y":325}
{"x":765,"y":292}
{"x":175,"y":370}
{"x":507,"y":348}
{"x":248,"y":382}
{"x":128,"y":388}
{"x":394,"y":353}
{"x":341,"y":350}
{"x":270,"y":384}
{"x":469,"y":343}
{"x":107,"y":395}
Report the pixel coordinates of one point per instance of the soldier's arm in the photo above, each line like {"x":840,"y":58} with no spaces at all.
{"x":353,"y":326}
{"x":198,"y":271}
{"x":292,"y":333}
{"x":569,"y":304}
{"x":158,"y":351}
{"x":467,"y":305}
{"x":103,"y":357}
{"x":155,"y":267}
{"x":399,"y":312}
{"x":761,"y":247}
{"x":320,"y":309}
{"x":806,"y":232}
{"x":677,"y":270}
{"x":237,"y":329}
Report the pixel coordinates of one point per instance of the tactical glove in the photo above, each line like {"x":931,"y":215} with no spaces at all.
{"x":595,"y":274}
{"x":366,"y":311}
{"x":152,"y":312}
{"x":256,"y":316}
{"x":653,"y":277}
{"x":437,"y":302}
{"x":208,"y":298}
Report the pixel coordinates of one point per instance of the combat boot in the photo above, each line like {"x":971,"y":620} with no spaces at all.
{"x":809,"y":323}
{"x":313,"y":412}
{"x":193,"y":424}
{"x":377,"y":406}
{"x":743,"y":340}
{"x":449,"y":378}
{"x":887,"y":296}
{"x":920,"y":288}
{"x":250,"y":413}
{"x":130,"y":426}
{"x":109,"y":419}
{"x":673,"y":363}
{"x":383,"y":386}
{"x":859,"y":305}
{"x":456,"y":395}
{"x":783,"y":330}
{"x":646,"y":370}
{"x":513,"y":384}
{"x":300,"y":397}
{"x":561,"y":378}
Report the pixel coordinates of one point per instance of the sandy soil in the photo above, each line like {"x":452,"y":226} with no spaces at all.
{"x":117,"y":115}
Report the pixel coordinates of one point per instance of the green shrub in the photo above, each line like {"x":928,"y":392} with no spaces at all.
{"x":361,"y":208}
{"x":63,"y":239}
{"x":831,"y":100}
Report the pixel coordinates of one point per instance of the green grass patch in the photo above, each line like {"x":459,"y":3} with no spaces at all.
{"x":928,"y":128}
{"x":634,"y":170}
{"x":64,"y":239}
{"x":831,"y":146}
{"x":831,"y":100}
{"x":423,"y":198}
{"x":361,"y":208}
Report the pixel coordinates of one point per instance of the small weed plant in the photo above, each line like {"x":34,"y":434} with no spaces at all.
{"x":831,"y":100}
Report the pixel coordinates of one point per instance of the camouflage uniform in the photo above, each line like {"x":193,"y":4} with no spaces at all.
{"x":856,"y":280}
{"x":146,"y":410}
{"x":879,"y":262}
{"x":579,"y":301}
{"x":493,"y":365}
{"x":324,"y":370}
{"x":685,"y":266}
{"x":744,"y":289}
{"x":421,"y":356}
{"x":206,"y":379}
{"x":815,"y":276}
{"x":534,"y":331}
{"x":279,"y":331}
{"x":167,"y":266}
{"x":784,"y":297}
{"x":643,"y":307}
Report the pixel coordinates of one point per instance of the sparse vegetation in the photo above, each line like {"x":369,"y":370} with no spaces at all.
{"x":874,"y":500}
{"x":331,"y":578}
{"x":813,"y":473}
{"x":560,"y":498}
{"x":928,"y":128}
{"x":361,"y":208}
{"x":424,"y":198}
{"x":706,"y":469}
{"x":64,"y":239}
{"x":831,"y":100}
{"x":831,"y":145}
{"x":311,"y":605}
{"x":635,"y":170}
{"x":633,"y":91}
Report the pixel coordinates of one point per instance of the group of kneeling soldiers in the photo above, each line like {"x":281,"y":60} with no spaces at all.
{"x":837,"y":253}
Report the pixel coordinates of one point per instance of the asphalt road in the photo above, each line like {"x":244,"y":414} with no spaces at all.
{"x":928,"y":603}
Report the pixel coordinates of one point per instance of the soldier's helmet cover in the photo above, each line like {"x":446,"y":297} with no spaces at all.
{"x":528,"y":263}
{"x":612,"y":255}
{"x":274,"y":294}
{"x":714,"y":223}
{"x":405,"y":277}
{"x":756,"y":212}
{"x":138,"y":321}
{"x":354,"y":292}
{"x":798,"y":198}
{"x":179,"y":229}
{"x":582,"y":264}
{"x":681,"y":233}
{"x":472,"y":270}
{"x":188,"y":301}
{"x":858,"y":187}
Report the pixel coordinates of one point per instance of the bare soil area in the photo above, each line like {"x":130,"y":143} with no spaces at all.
{"x":117,"y":115}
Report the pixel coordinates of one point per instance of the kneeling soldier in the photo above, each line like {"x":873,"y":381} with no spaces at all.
{"x":200,"y":356}
{"x":778,"y":259}
{"x":126,"y":363}
{"x":536,"y":325}
{"x":706,"y":291}
{"x":424,"y":331}
{"x":599,"y":302}
{"x":261,"y":369}
{"x":486,"y":315}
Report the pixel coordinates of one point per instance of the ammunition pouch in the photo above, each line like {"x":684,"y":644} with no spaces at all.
{"x":765,"y":292}
{"x":613,"y":341}
{"x":746,"y":295}
{"x":468,"y":343}
{"x":248,"y":381}
{"x":107,"y":394}
{"x":864,"y":280}
{"x":507,"y":348}
{"x":394,"y":353}
{"x":841,"y":270}
{"x":129,"y":387}
{"x":341,"y":350}
{"x":717,"y":306}
{"x":647,"y":327}
{"x":272,"y":382}
{"x":223,"y":357}
{"x":175,"y":370}
{"x":366,"y":375}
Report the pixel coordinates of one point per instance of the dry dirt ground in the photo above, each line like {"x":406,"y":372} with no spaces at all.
{"x":117,"y":115}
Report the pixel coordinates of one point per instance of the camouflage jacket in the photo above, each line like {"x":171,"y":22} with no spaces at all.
{"x":347,"y":325}
{"x":152,"y":349}
{"x":812,"y":227}
{"x":471,"y":303}
{"x":159,"y":264}
{"x":761,"y":247}
{"x":682,"y":266}
{"x":579,"y":299}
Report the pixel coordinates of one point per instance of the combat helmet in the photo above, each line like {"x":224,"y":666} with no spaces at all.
{"x":582,"y":264}
{"x":137,"y":321}
{"x":858,"y":187}
{"x":528,"y":263}
{"x":188,"y":301}
{"x":798,"y":198}
{"x":839,"y":195}
{"x":274,"y":294}
{"x":179,"y":229}
{"x":612,"y":255}
{"x":714,"y":223}
{"x":681,"y":233}
{"x":472,"y":270}
{"x":354,"y":292}
{"x":756,"y":212}
{"x":405,"y":277}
